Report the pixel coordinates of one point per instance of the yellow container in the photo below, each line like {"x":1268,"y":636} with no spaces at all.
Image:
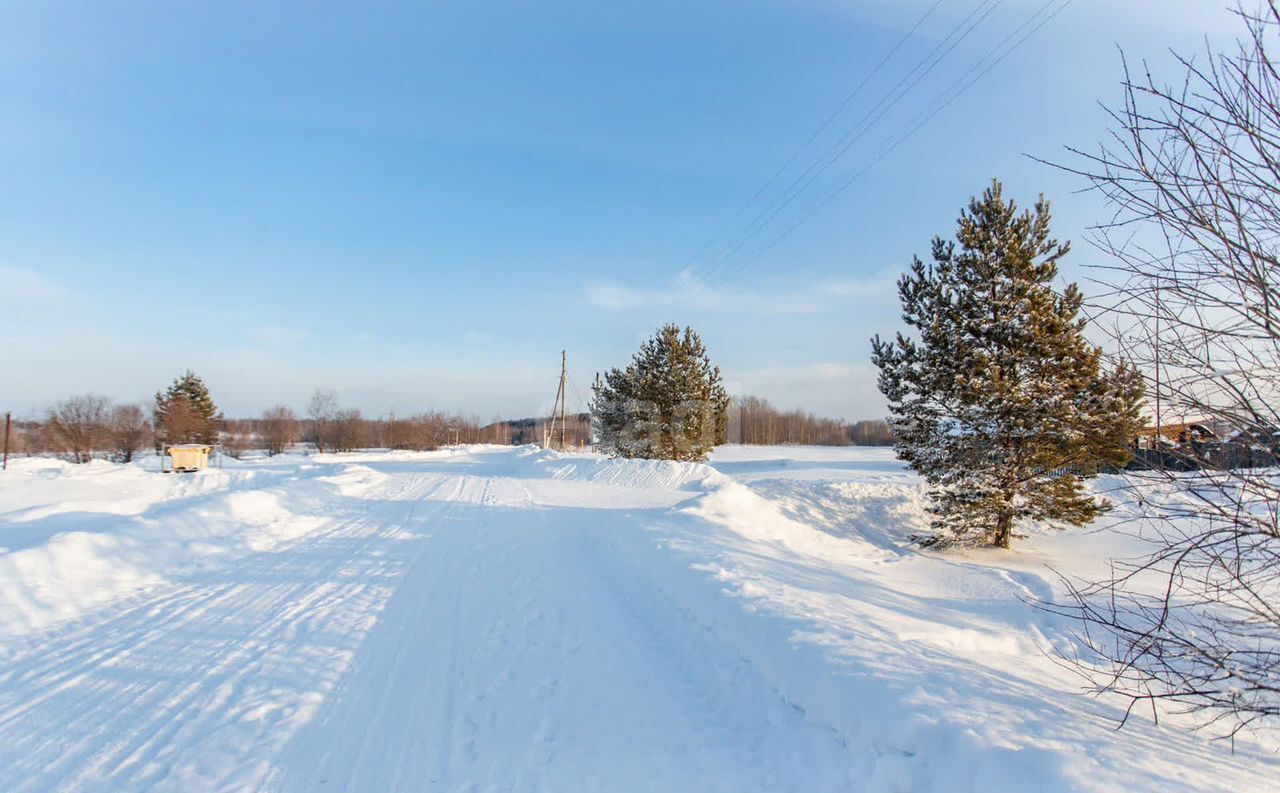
{"x":190,"y":456}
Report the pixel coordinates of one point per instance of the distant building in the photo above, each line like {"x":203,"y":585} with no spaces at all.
{"x":1263,"y":437}
{"x":1179,"y":434}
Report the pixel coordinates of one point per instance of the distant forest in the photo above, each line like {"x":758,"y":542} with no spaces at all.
{"x":752,"y":420}
{"x":88,"y":426}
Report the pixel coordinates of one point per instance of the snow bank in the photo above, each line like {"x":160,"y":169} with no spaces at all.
{"x":935,"y":669}
{"x":640,"y":474}
{"x":75,"y":538}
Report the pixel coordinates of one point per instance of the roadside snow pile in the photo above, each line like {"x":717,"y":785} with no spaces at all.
{"x":938,"y":665}
{"x":640,"y":474}
{"x":886,"y":514}
{"x":74,"y":538}
{"x":356,"y":480}
{"x":52,"y":487}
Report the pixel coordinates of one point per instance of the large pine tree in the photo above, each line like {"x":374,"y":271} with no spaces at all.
{"x":667,"y":404}
{"x":997,"y":399}
{"x":186,"y":413}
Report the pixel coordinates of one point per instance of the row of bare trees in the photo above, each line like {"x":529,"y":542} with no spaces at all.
{"x":753,"y":420}
{"x":275,"y":432}
{"x":89,"y":426}
{"x":86,"y":426}
{"x":333,"y":428}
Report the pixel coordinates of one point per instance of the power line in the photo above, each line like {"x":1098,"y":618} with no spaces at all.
{"x":819,"y":166}
{"x":821,"y":128}
{"x":868,"y":120}
{"x":944,"y":100}
{"x":577,"y":395}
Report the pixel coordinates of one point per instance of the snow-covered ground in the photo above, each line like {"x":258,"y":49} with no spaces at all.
{"x":497,"y":619}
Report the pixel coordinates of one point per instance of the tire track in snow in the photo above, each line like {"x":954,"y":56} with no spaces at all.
{"x":115,"y":701}
{"x":525,"y":653}
{"x":345,"y":745}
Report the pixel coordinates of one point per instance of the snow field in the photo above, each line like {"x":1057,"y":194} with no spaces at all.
{"x":488,"y":618}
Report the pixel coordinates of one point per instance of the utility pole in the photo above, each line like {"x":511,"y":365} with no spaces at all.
{"x":1157,"y":339}
{"x":558,"y":408}
{"x":564,"y":373}
{"x":8,"y":420}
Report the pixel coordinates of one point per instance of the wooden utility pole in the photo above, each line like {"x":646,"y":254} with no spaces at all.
{"x":8,"y":420}
{"x":558,"y":410}
{"x":564,"y":394}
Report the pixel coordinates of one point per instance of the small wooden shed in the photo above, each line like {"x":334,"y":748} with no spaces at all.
{"x":189,"y":457}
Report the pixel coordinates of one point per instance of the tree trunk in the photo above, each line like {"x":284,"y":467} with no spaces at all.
{"x":1004,"y":529}
{"x":1005,"y":523}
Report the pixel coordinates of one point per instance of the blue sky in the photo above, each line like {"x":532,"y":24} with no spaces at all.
{"x":419,"y":205}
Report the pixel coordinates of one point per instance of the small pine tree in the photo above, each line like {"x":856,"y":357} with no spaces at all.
{"x":667,"y":404}
{"x":186,"y":413}
{"x":1001,"y":403}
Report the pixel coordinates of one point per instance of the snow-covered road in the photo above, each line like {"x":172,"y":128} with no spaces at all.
{"x":509,"y":620}
{"x":525,"y":650}
{"x":443,"y":632}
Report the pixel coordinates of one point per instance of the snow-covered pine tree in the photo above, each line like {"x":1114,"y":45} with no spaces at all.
{"x":667,"y":404}
{"x":997,"y":399}
{"x":186,"y":413}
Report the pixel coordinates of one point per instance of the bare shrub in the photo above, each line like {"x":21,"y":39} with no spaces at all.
{"x":75,"y":427}
{"x":349,"y":431}
{"x":427,"y":431}
{"x":1193,"y":176}
{"x":128,"y":431}
{"x":279,"y":428}
{"x":237,"y":438}
{"x":322,"y":409}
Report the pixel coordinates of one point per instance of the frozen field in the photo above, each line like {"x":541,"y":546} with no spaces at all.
{"x":498,"y":619}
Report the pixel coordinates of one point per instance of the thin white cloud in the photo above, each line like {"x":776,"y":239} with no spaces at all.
{"x":876,"y":286}
{"x":838,"y":371}
{"x":21,"y":287}
{"x":277,"y":335}
{"x":687,"y":292}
